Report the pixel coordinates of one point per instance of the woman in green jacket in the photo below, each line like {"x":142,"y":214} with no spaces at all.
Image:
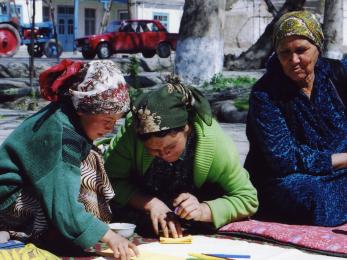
{"x":172,"y":157}
{"x":51,"y":175}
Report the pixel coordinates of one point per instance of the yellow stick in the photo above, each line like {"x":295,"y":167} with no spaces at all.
{"x":204,"y":257}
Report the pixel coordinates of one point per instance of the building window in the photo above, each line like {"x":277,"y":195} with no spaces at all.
{"x":65,"y":10}
{"x":46,"y":16}
{"x":89,"y":21}
{"x":15,"y":10}
{"x":61,"y":26}
{"x":70,"y":26}
{"x":123,"y":15}
{"x":163,"y":18}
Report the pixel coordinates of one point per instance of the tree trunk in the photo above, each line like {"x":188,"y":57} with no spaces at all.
{"x":199,"y":52}
{"x":32,"y":39}
{"x":256,"y":56}
{"x":333,"y":29}
{"x":129,"y":10}
{"x":105,"y":17}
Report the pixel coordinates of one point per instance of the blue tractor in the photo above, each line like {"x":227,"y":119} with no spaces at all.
{"x":13,"y":34}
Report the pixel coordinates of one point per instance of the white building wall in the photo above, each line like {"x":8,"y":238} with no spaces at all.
{"x":27,"y":10}
{"x":245,"y":22}
{"x":147,"y":11}
{"x":99,"y":11}
{"x":82,"y":5}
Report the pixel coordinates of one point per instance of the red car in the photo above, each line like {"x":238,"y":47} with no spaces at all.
{"x":129,"y":36}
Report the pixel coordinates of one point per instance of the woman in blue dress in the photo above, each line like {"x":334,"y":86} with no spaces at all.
{"x":297,"y":129}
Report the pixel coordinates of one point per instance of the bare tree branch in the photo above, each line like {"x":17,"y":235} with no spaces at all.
{"x":271,"y":8}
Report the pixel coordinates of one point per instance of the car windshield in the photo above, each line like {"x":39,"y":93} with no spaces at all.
{"x":113,"y":26}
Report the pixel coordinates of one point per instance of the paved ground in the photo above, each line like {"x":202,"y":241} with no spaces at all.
{"x":9,"y":119}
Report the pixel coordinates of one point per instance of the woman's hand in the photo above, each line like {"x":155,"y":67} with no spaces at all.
{"x":188,"y":207}
{"x":122,"y":248}
{"x":163,"y":216}
{"x":339,"y":160}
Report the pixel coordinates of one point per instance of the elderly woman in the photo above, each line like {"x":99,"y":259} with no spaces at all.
{"x":297,"y":128}
{"x":51,"y":175}
{"x":172,"y":161}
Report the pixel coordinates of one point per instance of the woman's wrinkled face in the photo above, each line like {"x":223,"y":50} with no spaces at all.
{"x":298,"y":56}
{"x":170,"y":147}
{"x":97,"y":125}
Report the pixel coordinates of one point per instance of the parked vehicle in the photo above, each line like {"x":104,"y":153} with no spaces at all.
{"x":13,"y":34}
{"x":148,"y":37}
{"x":44,"y":43}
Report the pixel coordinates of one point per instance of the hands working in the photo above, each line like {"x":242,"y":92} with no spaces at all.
{"x":161,"y":215}
{"x":122,"y":248}
{"x":188,"y":207}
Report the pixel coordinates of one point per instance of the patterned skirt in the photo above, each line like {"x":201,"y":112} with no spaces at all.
{"x":26,"y":219}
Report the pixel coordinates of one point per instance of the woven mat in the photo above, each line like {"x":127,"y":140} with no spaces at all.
{"x":324,"y":240}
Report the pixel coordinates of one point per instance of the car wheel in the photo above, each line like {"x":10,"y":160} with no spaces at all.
{"x":103,"y":51}
{"x":89,"y":54}
{"x":164,"y":50}
{"x":148,"y":54}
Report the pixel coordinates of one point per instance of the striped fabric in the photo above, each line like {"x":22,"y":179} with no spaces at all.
{"x":27,"y":215}
{"x":96,"y":190}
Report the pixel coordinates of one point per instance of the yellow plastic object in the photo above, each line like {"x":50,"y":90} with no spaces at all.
{"x":204,"y":257}
{"x":29,"y":251}
{"x":180,"y":240}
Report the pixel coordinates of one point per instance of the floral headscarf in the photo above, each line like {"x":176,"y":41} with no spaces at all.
{"x":95,"y":87}
{"x":300,"y":23}
{"x":169,"y":107}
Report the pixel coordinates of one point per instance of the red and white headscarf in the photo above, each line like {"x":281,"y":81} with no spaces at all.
{"x":98,"y":86}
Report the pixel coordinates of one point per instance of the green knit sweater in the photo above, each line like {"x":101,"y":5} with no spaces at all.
{"x":216,"y":161}
{"x":44,"y":153}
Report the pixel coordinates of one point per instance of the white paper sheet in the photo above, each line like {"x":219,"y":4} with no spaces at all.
{"x":202,"y":244}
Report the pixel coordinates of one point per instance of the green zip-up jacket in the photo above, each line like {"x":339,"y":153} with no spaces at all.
{"x":44,"y":154}
{"x":216,"y":161}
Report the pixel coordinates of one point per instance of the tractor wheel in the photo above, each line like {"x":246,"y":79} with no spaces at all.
{"x":53,"y":49}
{"x":103,"y":51}
{"x":9,"y":40}
{"x":38,"y":50}
{"x":89,"y":54}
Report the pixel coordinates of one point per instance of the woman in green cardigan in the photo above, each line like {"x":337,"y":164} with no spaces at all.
{"x":173,"y":161}
{"x":52,"y":178}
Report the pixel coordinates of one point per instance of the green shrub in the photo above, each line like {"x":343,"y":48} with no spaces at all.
{"x":134,"y":93}
{"x":133,"y":70}
{"x":241,"y":104}
{"x":219,"y":82}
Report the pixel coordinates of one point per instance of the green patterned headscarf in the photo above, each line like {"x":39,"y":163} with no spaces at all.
{"x":300,"y":23}
{"x":169,"y":107}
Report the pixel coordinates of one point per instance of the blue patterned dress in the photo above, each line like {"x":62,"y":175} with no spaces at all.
{"x":292,"y":138}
